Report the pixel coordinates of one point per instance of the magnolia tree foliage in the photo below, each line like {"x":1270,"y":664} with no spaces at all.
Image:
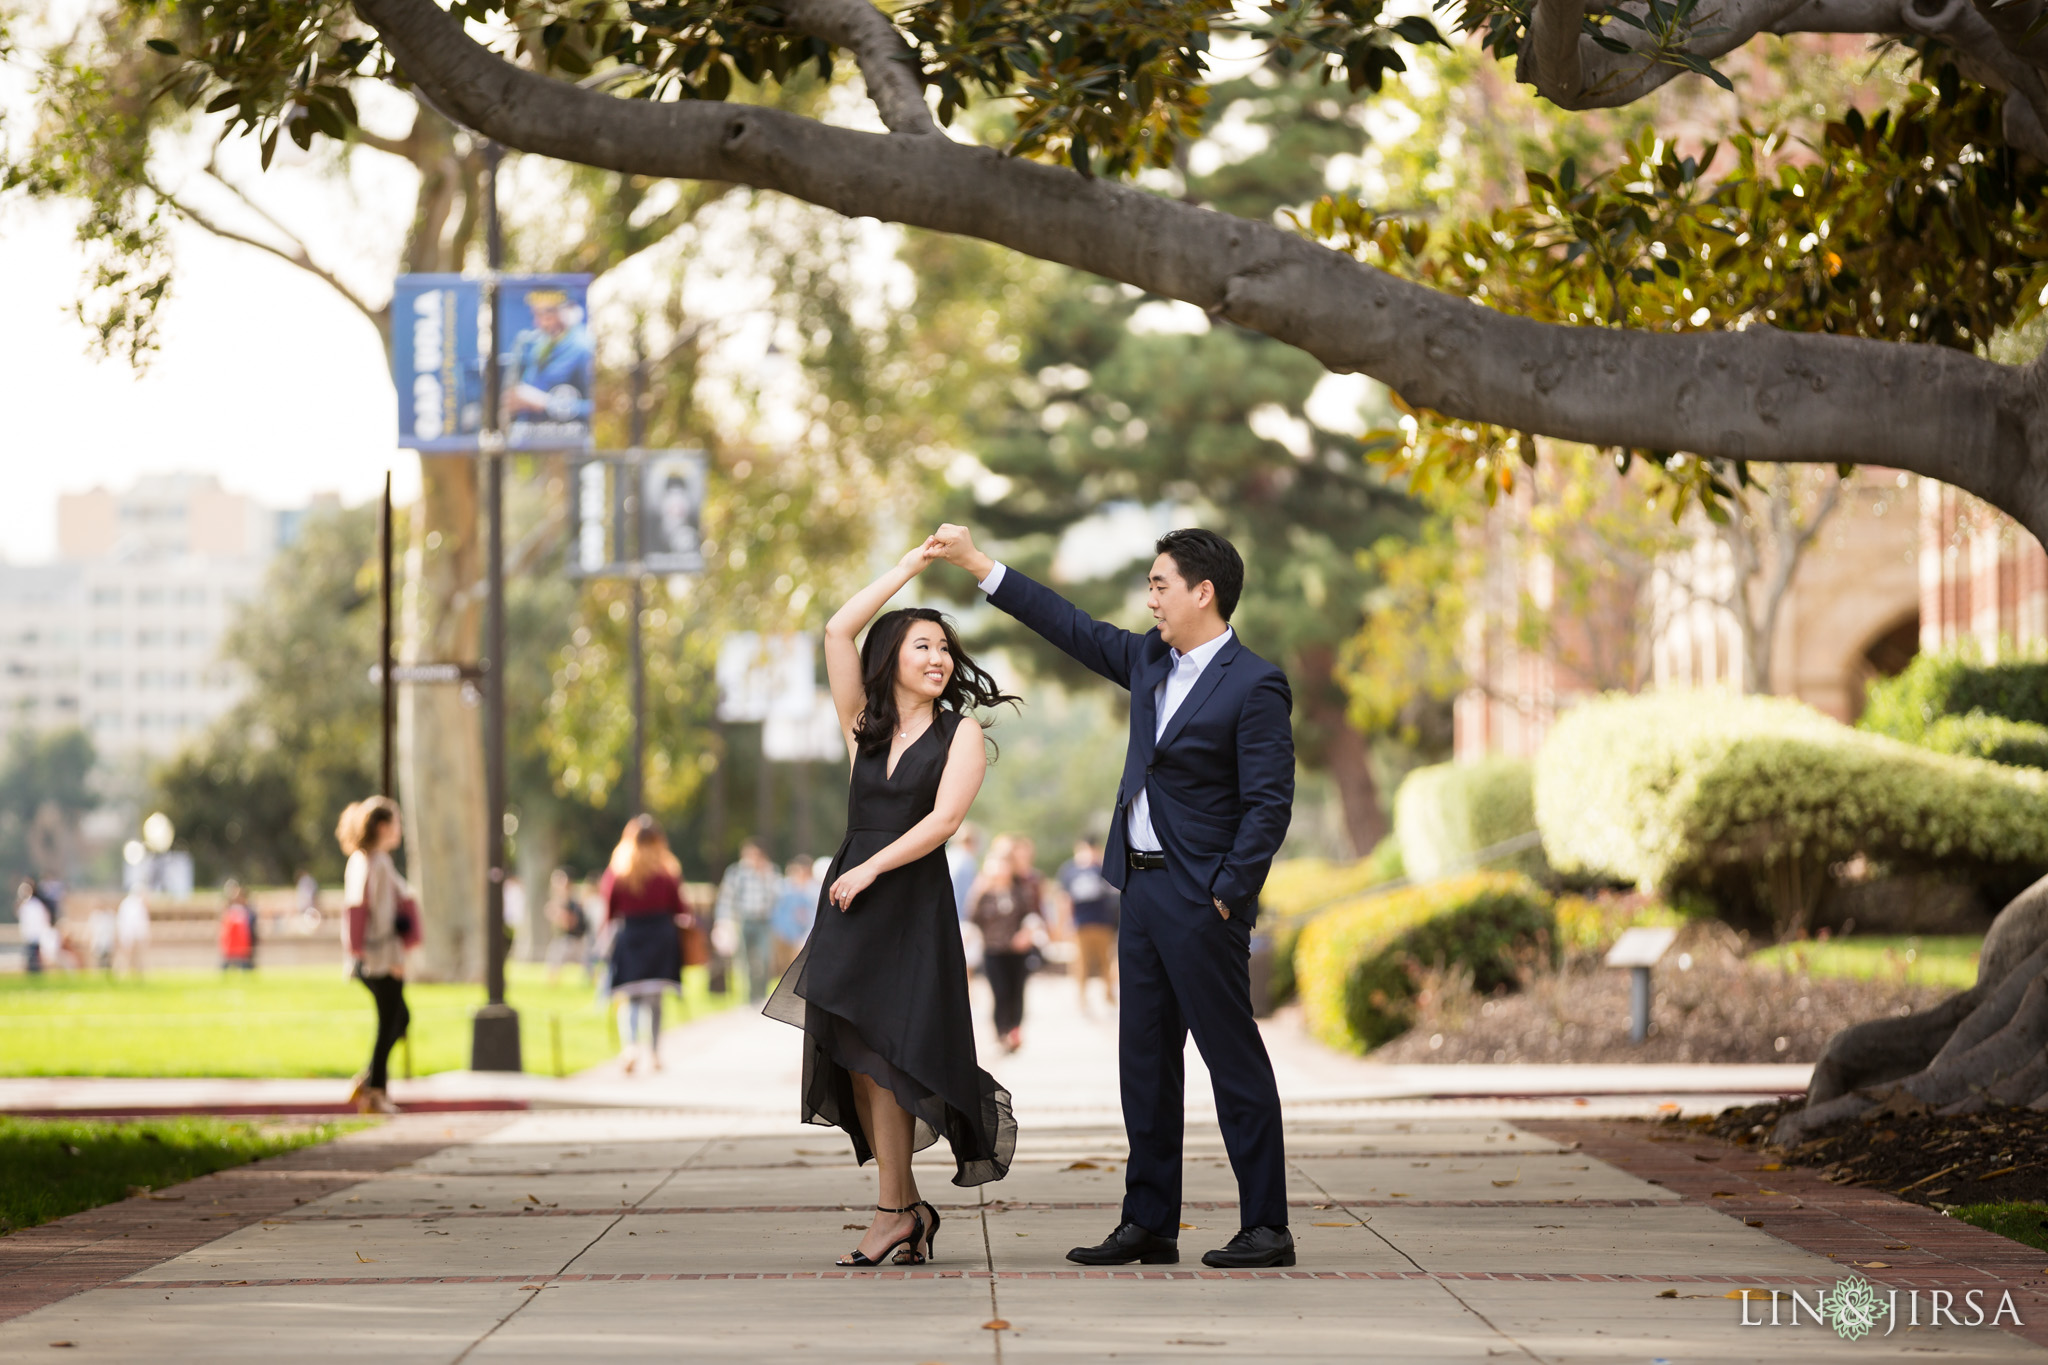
{"x":1104,"y":90}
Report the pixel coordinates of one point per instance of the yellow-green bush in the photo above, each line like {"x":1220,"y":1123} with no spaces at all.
{"x":1674,"y":790}
{"x":2021,"y":743}
{"x":1587,"y":927}
{"x":1447,"y":812}
{"x":1299,"y":887}
{"x":1356,"y":965}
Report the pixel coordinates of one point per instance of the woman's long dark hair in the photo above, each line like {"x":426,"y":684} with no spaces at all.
{"x":970,"y":687}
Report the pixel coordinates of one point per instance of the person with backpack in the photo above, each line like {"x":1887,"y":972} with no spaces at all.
{"x":237,"y":930}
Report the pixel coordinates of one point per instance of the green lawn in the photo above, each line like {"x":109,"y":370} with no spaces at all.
{"x":51,"y":1167}
{"x":286,"y":1021}
{"x":2022,"y":1222}
{"x":1948,"y":961}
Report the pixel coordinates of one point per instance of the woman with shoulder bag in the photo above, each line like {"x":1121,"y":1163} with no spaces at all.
{"x":382,"y":922}
{"x":642,"y":891}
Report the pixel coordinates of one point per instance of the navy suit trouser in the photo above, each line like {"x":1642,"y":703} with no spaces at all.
{"x":1184,"y":969}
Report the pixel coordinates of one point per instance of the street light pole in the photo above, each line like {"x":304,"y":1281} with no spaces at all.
{"x":390,"y":698}
{"x":636,"y":786}
{"x":494,"y":1035}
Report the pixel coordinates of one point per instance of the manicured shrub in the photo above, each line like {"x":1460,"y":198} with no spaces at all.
{"x":1446,"y":813}
{"x":1299,"y":887}
{"x":1588,"y":925}
{"x":1356,"y":965}
{"x":2021,"y":743}
{"x":1759,"y":796}
{"x":1955,"y":683}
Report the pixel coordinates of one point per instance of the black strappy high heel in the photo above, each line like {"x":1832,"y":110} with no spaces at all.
{"x":905,"y":1245}
{"x":931,"y":1237}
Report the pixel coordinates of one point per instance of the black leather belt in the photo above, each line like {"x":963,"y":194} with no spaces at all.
{"x":1140,"y":861}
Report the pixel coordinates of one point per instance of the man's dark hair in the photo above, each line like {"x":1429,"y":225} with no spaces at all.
{"x":1203,"y":556}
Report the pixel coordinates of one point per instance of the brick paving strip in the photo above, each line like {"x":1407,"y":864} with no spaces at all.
{"x":52,"y":1261}
{"x":1890,"y":1241}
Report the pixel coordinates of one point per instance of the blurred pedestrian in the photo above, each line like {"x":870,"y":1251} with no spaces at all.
{"x":1007,"y":910}
{"x":746,"y":898}
{"x":1091,"y":909}
{"x":131,"y":932}
{"x":796,"y":905}
{"x":306,"y":899}
{"x":38,"y":934}
{"x":99,"y":927}
{"x":642,"y":891}
{"x":381,"y":922}
{"x":515,"y":909}
{"x":571,"y":924}
{"x":237,"y":930}
{"x":963,"y":864}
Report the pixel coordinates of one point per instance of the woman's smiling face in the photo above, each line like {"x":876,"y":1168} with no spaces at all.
{"x":924,"y":662}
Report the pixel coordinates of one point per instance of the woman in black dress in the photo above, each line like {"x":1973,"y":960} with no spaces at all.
{"x":880,"y":989}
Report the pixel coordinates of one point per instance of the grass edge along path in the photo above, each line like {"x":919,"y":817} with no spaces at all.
{"x":1948,"y":961}
{"x":292,"y":1022}
{"x":53,"y":1167}
{"x":2025,"y":1223}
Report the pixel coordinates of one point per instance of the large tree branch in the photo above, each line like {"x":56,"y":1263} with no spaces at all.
{"x":887,"y":64}
{"x":1760,"y":395}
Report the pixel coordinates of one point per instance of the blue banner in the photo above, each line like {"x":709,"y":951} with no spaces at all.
{"x":550,"y":361}
{"x":436,"y":362}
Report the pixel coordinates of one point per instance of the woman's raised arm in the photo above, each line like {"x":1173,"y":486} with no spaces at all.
{"x":842,"y":656}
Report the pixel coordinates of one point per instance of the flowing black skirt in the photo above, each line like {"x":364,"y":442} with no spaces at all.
{"x":881,"y":989}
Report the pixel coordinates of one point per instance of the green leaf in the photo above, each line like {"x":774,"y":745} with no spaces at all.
{"x":163,"y":45}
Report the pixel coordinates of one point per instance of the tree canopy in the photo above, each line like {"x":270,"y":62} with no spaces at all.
{"x":1107,"y":90}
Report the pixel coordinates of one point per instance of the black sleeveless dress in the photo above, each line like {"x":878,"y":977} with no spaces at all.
{"x":881,"y":987}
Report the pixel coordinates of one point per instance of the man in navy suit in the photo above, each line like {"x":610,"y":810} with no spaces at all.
{"x":1207,"y":790}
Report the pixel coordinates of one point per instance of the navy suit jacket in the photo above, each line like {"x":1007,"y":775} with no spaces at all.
{"x":1220,"y":779}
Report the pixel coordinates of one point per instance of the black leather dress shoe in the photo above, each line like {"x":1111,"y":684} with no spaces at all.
{"x":1130,"y":1243}
{"x":1253,"y":1249}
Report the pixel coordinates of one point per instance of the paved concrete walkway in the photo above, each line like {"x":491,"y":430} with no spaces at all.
{"x":702,"y":1227}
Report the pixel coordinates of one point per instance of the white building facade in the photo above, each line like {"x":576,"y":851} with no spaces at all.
{"x":122,"y":635}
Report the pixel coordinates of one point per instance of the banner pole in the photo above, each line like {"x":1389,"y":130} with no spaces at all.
{"x":494,"y":1038}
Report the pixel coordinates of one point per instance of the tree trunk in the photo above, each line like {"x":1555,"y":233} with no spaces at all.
{"x":1983,"y":1045}
{"x":1344,"y":750}
{"x":440,"y":734}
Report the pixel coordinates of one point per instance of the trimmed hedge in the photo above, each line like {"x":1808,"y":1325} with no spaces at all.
{"x":1587,"y":927}
{"x":1302,"y":886}
{"x":1955,"y":683}
{"x":1674,"y":790}
{"x":1356,"y":965}
{"x":1445,"y":813}
{"x":2020,"y":743}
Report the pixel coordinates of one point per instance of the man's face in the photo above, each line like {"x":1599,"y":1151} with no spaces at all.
{"x":548,"y":319}
{"x":1179,"y":609}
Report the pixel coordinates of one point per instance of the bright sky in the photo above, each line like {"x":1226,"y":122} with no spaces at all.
{"x":265,"y":378}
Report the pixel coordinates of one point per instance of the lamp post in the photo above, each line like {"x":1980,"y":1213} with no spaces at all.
{"x":494,"y":1031}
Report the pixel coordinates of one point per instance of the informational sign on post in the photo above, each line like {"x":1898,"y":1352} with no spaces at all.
{"x":809,"y":737}
{"x":436,"y":362}
{"x":763,"y":676}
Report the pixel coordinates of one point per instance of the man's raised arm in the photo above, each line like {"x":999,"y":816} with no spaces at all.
{"x":1096,"y":645}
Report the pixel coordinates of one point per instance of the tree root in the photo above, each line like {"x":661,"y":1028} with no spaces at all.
{"x":1986,"y":1045}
